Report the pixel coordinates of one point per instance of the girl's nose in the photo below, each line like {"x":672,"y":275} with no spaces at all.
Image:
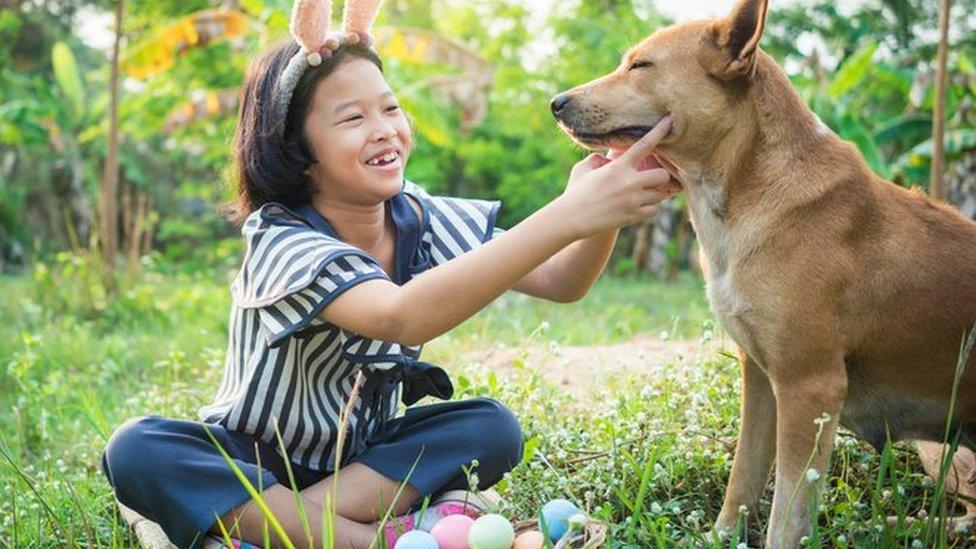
{"x":384,"y":131}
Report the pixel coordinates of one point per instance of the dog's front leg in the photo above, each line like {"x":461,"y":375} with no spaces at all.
{"x":755,"y":449}
{"x":808,"y":403}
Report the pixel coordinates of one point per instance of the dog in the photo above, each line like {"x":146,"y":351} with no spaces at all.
{"x":848,"y":296}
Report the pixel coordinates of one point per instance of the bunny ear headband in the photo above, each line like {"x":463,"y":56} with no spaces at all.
{"x":310,"y":20}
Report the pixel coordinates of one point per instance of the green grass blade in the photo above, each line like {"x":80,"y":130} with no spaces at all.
{"x":258,"y":500}
{"x":306,"y":527}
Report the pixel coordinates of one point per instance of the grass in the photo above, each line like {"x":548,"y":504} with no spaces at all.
{"x":650,"y":456}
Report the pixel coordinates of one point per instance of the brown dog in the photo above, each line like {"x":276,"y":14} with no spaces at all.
{"x":849,"y":296}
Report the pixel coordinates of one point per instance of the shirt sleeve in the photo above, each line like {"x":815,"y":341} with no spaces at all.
{"x":292,"y":272}
{"x":459,"y":225}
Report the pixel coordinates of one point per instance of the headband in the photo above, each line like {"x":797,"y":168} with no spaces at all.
{"x":310,"y":20}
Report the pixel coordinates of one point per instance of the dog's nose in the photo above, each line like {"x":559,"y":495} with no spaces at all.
{"x":558,"y":103}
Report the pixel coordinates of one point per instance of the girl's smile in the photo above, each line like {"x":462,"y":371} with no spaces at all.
{"x":358,"y":134}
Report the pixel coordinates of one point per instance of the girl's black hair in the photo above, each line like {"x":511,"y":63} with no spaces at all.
{"x":271,"y":155}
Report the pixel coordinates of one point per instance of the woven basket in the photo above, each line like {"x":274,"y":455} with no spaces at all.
{"x":593,"y":535}
{"x":151,"y":536}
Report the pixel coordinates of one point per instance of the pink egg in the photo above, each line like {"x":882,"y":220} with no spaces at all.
{"x":533,"y":539}
{"x":451,"y":532}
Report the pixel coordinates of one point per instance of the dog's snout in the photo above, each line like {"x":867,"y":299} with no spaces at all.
{"x":558,"y":104}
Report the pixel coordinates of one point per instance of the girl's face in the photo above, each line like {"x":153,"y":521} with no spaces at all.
{"x":358,"y":134}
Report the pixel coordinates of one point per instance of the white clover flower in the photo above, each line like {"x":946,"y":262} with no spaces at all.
{"x":577,"y":522}
{"x":656,"y":508}
{"x":842,"y":539}
{"x":812,"y":475}
{"x":917,"y":544}
{"x":743,"y":510}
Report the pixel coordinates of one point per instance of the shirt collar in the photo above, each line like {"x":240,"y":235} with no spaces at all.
{"x":405,"y":219}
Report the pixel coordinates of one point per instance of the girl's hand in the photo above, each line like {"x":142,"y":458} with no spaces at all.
{"x":609,"y":193}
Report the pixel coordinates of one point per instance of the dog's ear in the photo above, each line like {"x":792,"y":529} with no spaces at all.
{"x":736,"y":39}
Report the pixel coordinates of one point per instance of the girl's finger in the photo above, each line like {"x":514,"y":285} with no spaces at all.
{"x":647,"y":211}
{"x":654,"y":178}
{"x":646,"y":144}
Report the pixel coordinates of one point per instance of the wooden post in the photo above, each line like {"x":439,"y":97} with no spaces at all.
{"x":936,"y":183}
{"x":108,"y":206}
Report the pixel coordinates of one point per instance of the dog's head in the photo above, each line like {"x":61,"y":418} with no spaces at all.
{"x":697,"y":72}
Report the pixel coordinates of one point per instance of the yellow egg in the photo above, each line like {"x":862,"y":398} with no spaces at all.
{"x":532,"y":539}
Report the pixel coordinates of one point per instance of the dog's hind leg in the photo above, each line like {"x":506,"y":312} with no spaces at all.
{"x":755,"y":449}
{"x":960,"y":480}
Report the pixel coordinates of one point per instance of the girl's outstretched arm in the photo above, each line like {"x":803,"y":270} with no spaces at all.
{"x":568,"y":275}
{"x":601,"y":197}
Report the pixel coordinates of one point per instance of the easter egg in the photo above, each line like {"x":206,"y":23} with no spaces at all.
{"x":554,"y":514}
{"x":451,"y":532}
{"x":491,"y":531}
{"x":416,"y":539}
{"x":533,"y":539}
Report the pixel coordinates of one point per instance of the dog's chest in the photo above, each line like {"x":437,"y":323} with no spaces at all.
{"x":728,"y":302}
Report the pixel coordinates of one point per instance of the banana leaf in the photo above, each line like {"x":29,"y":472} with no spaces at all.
{"x":853,"y":70}
{"x":69,"y":79}
{"x":158,"y":52}
{"x":905,"y":129}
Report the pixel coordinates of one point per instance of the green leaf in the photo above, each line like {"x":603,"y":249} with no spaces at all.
{"x":852,"y":129}
{"x":853,"y":70}
{"x":966,"y":65}
{"x":905,"y":129}
{"x":956,"y":141}
{"x":69,"y":79}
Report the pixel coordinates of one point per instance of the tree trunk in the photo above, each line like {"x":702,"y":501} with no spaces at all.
{"x":962,"y":184}
{"x":109,"y":193}
{"x":642,"y":245}
{"x":936,"y":186}
{"x":664,"y":233}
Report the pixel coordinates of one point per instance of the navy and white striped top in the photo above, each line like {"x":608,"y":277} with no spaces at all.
{"x":287,"y":366}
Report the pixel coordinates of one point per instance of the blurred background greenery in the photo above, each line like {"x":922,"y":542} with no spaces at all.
{"x":475,"y":77}
{"x":86,"y":343}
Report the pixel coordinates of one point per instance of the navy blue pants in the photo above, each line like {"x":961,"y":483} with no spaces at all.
{"x":169,"y":471}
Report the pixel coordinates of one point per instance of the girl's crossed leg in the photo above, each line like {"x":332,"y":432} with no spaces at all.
{"x":169,"y":471}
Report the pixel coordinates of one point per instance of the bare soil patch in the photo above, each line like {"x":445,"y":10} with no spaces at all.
{"x":585,"y":369}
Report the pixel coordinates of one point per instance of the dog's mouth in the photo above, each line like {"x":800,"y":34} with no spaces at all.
{"x":617,"y":138}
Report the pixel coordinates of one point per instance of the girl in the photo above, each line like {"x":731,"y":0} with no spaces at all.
{"x":351,"y":269}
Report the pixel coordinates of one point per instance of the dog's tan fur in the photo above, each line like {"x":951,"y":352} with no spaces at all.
{"x":848,"y":295}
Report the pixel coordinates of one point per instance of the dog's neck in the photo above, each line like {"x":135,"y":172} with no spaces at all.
{"x":778,"y":153}
{"x":774,"y":157}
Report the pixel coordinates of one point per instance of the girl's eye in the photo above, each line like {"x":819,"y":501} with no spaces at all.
{"x":392,"y":108}
{"x":352,"y":118}
{"x":641,"y":65}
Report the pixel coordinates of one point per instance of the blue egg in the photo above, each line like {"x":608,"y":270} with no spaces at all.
{"x":416,"y":539}
{"x":555,"y":515}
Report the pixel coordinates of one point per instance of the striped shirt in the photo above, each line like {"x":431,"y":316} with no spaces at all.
{"x":288,"y":368}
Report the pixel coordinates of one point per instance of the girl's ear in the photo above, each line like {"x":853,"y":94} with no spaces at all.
{"x":358,"y":15}
{"x":310,"y":23}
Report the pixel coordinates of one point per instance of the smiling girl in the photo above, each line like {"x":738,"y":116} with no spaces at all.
{"x":349,"y":268}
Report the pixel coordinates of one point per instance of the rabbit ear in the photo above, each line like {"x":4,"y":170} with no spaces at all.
{"x":358,"y":15}
{"x":310,"y":23}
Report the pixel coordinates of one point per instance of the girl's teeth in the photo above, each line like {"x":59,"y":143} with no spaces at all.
{"x":389,"y":157}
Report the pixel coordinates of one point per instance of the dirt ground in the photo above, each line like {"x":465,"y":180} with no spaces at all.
{"x":581,"y":370}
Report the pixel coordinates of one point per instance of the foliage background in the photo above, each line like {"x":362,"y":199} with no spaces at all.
{"x":77,"y":357}
{"x":866,"y":70}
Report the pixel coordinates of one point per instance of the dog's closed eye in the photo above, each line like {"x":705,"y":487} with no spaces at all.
{"x":642,"y":64}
